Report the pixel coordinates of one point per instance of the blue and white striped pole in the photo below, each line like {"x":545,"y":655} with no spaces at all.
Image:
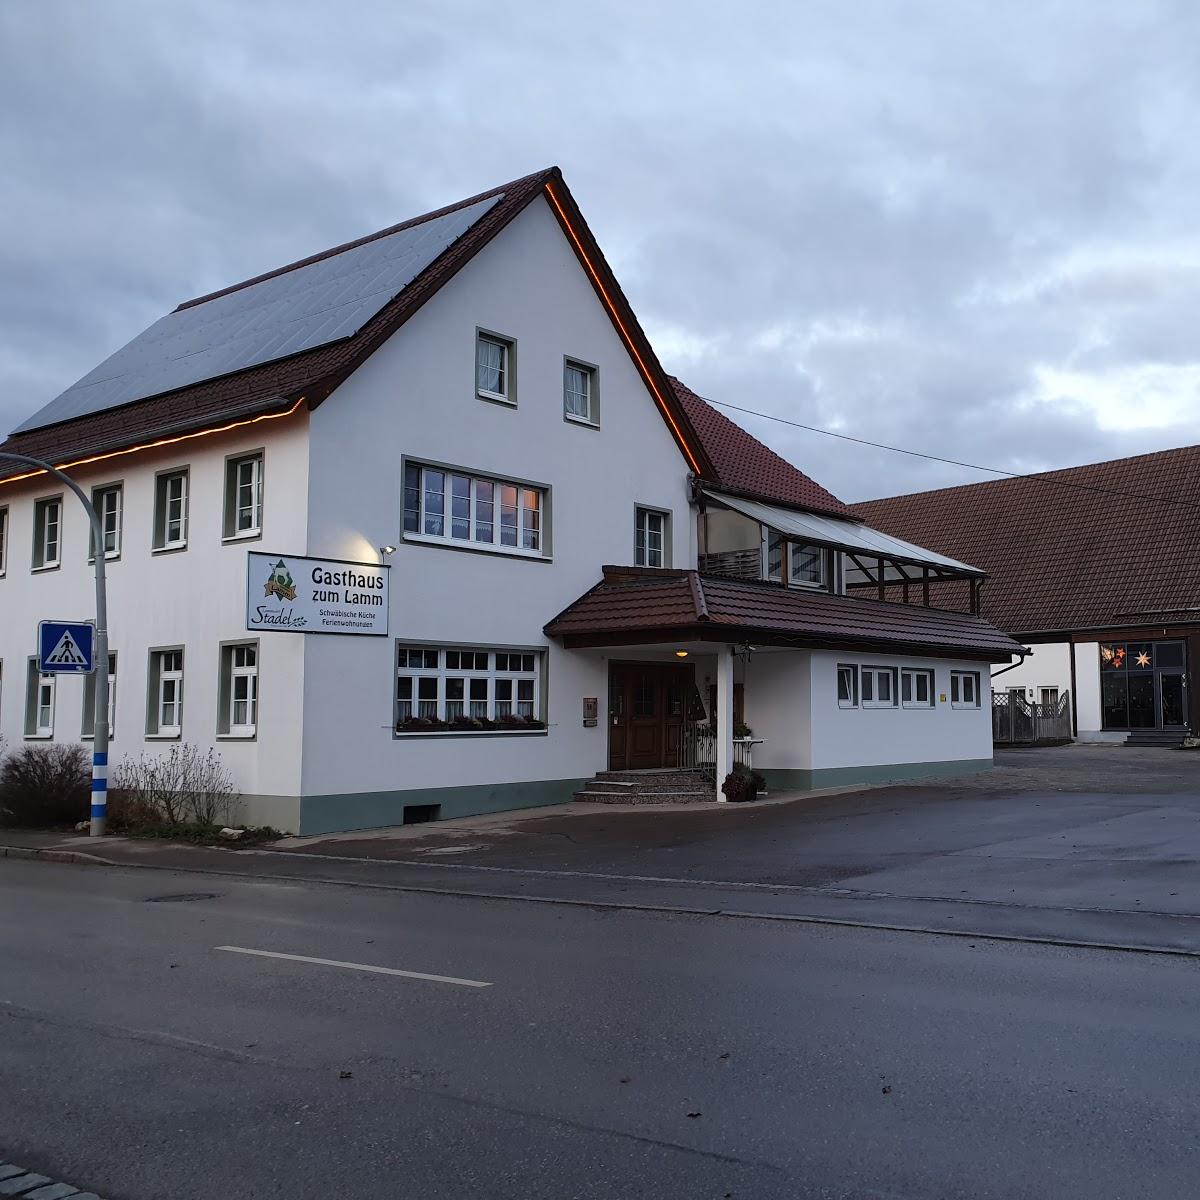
{"x":99,"y":791}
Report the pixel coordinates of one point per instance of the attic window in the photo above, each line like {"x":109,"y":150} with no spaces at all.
{"x":494,"y":368}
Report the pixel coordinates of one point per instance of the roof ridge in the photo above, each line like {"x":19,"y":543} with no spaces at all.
{"x":1031,"y":476}
{"x":525,"y":180}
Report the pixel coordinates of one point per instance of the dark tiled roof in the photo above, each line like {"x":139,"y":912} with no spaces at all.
{"x":744,"y":465}
{"x":273,"y":386}
{"x":642,"y":604}
{"x":1063,"y":558}
{"x":312,"y":375}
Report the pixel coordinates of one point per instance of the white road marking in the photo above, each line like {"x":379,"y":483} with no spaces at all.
{"x":349,"y":966}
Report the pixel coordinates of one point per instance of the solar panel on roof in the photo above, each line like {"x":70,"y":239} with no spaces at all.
{"x":301,"y":309}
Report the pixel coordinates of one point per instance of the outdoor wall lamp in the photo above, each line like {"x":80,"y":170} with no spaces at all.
{"x":681,"y":654}
{"x":384,"y":551}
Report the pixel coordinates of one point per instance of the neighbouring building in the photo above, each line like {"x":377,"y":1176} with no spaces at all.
{"x":419,"y":527}
{"x":1096,"y":569}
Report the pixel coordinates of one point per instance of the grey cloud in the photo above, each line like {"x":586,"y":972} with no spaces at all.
{"x":886,"y":218}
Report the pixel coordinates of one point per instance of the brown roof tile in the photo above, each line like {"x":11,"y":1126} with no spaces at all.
{"x":1116,"y":546}
{"x":742,"y":464}
{"x":640,"y":604}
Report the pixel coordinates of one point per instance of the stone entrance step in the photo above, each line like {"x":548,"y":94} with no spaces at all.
{"x":666,"y":785}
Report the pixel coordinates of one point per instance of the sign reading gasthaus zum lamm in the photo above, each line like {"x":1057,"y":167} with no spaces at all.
{"x":290,"y":593}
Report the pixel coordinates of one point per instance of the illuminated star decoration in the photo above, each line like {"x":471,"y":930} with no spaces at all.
{"x":1143,"y":659}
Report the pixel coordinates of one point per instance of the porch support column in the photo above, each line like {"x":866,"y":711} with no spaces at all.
{"x":724,"y":715}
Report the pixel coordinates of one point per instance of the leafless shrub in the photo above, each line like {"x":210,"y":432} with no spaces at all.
{"x":186,"y":785}
{"x":45,"y":785}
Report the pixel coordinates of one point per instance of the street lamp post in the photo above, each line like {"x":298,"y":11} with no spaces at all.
{"x":99,"y":812}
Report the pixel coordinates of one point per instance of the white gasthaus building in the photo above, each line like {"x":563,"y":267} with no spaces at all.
{"x":419,"y":527}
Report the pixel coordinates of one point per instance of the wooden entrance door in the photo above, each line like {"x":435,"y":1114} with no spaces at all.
{"x":647,"y":706}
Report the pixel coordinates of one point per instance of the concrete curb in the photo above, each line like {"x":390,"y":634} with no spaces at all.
{"x":60,"y":856}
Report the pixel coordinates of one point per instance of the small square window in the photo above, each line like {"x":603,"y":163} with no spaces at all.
{"x":878,"y":687}
{"x":495,"y":360}
{"x":916,"y":688}
{"x":579,"y":393}
{"x":964,"y":689}
{"x":847,"y":685}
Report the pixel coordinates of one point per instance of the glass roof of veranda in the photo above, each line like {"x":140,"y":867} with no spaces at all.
{"x":874,"y":558}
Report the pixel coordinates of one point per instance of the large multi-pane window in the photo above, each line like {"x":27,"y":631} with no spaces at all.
{"x":107,"y":501}
{"x":467,"y":690}
{"x":39,"y":703}
{"x":3,"y":541}
{"x":165,"y":701}
{"x":579,"y":392}
{"x":47,"y":533}
{"x":490,"y":514}
{"x":89,"y":701}
{"x":244,"y":496}
{"x":494,"y":373}
{"x":238,"y":715}
{"x":171,"y":510}
{"x":652,"y":538}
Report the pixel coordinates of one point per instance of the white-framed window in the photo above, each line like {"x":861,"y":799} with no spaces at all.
{"x":878,"y":687}
{"x":47,"y":533}
{"x":244,"y":496}
{"x":916,"y":688}
{"x":3,"y":542}
{"x":473,"y":690}
{"x":495,"y":367}
{"x":107,"y":501}
{"x":1048,"y":696}
{"x":776,"y":547}
{"x":89,"y":701}
{"x":652,"y":540}
{"x":579,"y":392}
{"x":806,"y":565}
{"x":964,"y":689}
{"x":171,"y":510}
{"x":165,"y":700}
{"x":472,"y":510}
{"x":39,"y":702}
{"x":238,"y":716}
{"x":847,"y":685}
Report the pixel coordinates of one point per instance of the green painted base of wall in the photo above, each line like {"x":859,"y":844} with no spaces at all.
{"x":371,"y":810}
{"x":798,"y":780}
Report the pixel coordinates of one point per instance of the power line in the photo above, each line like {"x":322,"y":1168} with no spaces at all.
{"x":954,"y":462}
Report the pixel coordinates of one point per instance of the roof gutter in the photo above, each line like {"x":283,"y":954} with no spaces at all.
{"x":1026,"y":651}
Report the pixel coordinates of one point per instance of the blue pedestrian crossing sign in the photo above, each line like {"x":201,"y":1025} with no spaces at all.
{"x":66,"y":647}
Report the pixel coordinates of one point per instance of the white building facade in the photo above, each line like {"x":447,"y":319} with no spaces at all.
{"x":490,"y":435}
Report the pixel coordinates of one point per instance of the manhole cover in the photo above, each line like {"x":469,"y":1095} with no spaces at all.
{"x":182,"y":897}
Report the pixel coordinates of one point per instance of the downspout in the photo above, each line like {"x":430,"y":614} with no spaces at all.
{"x":1026,"y":651}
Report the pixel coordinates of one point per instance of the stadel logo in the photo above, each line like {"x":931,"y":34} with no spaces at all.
{"x":280,"y":582}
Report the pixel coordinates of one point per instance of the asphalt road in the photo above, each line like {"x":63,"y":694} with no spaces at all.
{"x":614,"y":1054}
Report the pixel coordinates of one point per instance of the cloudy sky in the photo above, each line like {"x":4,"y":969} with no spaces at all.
{"x":970,"y":228}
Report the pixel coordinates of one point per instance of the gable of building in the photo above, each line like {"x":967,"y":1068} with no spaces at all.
{"x":1100,"y":546}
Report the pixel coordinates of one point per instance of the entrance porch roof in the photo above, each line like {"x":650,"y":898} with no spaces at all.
{"x":640,"y":605}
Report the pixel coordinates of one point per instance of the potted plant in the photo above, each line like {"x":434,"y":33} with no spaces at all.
{"x":742,"y":785}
